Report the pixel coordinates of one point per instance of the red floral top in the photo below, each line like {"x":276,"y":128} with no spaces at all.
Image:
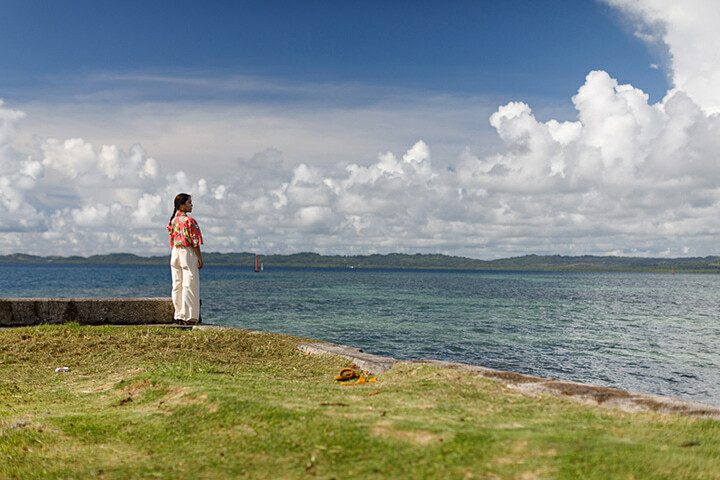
{"x":184,"y":231}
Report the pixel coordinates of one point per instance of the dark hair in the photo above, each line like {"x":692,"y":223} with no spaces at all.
{"x":180,"y":199}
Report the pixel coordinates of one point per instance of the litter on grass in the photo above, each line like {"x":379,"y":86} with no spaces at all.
{"x":348,"y":374}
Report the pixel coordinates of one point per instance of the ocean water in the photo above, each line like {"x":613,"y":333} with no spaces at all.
{"x":652,"y":333}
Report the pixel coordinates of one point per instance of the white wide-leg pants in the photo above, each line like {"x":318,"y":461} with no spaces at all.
{"x":185,"y":283}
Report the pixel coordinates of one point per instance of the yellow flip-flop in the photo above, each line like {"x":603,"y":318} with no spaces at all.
{"x":362,"y":379}
{"x":347,"y":374}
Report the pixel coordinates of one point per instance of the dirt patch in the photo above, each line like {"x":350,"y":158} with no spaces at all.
{"x":181,"y":396}
{"x":535,"y":474}
{"x":416,"y":437}
{"x":599,"y":394}
{"x":136,"y":388}
{"x":169,"y":396}
{"x":672,"y":407}
{"x":509,"y":377}
{"x":91,"y":383}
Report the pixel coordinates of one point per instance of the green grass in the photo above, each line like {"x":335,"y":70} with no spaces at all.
{"x":144,"y":402}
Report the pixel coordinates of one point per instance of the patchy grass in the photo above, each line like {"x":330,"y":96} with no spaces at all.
{"x":143,"y":402}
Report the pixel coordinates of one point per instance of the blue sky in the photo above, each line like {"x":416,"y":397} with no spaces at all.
{"x":510,"y":48}
{"x":485,"y":129}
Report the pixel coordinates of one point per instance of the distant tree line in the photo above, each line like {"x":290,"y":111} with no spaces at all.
{"x":586,"y":263}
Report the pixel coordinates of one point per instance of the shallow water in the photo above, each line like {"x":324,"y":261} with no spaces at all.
{"x":654,"y":333}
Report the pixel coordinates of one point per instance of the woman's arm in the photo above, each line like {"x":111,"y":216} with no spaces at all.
{"x":199,"y":255}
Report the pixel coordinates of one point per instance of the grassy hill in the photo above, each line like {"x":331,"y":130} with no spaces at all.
{"x":143,"y":402}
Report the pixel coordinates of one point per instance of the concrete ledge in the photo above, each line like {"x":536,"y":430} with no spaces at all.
{"x":15,"y":312}
{"x":369,"y":363}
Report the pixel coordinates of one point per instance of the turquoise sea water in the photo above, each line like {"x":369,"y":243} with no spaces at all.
{"x":653,"y":333}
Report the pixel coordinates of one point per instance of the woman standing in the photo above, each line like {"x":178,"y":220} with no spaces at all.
{"x":185,"y":261}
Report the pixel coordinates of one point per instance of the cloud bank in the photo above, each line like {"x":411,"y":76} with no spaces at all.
{"x":688,"y":30}
{"x":623,"y":177}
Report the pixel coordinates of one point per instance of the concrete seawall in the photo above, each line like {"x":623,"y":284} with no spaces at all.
{"x":15,"y":312}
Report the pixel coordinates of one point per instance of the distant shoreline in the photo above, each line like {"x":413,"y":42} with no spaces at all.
{"x":549,"y":263}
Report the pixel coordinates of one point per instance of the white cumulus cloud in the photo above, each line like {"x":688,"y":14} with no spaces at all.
{"x":689,"y":31}
{"x":626,"y":173}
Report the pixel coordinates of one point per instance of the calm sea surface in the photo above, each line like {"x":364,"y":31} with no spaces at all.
{"x":654,"y":333}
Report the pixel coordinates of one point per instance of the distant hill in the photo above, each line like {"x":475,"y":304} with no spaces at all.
{"x":587,"y":263}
